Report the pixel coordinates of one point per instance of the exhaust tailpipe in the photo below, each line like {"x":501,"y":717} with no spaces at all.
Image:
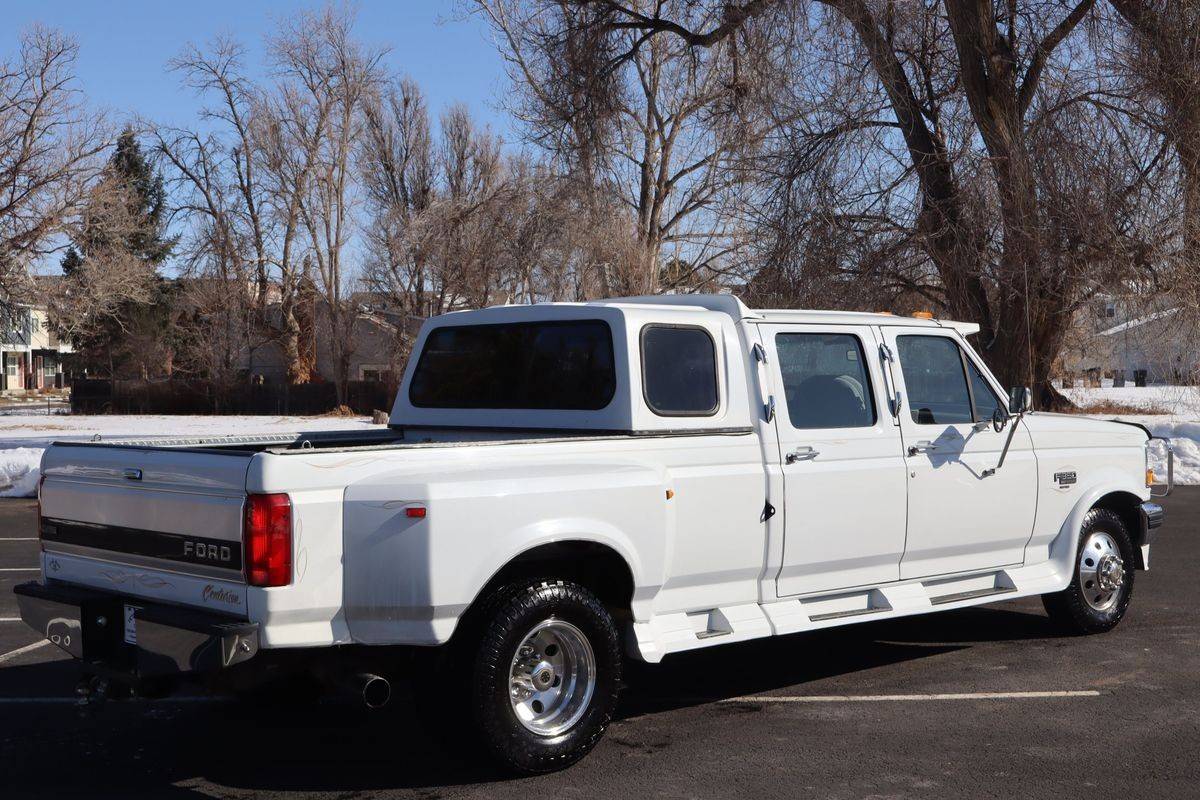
{"x":376,"y":691}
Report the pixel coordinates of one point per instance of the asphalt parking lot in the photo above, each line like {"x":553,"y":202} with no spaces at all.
{"x":934,"y":706}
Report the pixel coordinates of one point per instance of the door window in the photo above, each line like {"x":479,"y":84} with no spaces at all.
{"x":825,"y":381}
{"x":935,"y":381}
{"x":985,"y":399}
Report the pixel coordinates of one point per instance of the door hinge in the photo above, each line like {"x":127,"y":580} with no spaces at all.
{"x":886,"y":359}
{"x":768,"y":511}
{"x":760,"y":353}
{"x":769,"y":408}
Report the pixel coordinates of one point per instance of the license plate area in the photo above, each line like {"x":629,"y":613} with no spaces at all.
{"x":130,"y":617}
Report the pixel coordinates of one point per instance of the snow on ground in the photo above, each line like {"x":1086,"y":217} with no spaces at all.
{"x":1182,"y":401}
{"x":1177,"y":419}
{"x":23,"y":437}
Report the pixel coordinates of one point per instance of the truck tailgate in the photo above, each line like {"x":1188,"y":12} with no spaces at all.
{"x":159,"y":523}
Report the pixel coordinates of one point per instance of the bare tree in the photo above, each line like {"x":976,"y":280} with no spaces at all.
{"x":396,"y":160}
{"x":227,"y":161}
{"x":326,"y":76}
{"x":88,"y":302}
{"x":637,"y":118}
{"x":49,"y":148}
{"x":1162,"y":57}
{"x":999,"y":55}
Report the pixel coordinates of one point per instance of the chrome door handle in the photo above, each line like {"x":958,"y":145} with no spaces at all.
{"x":922,"y":447}
{"x":801,"y":454}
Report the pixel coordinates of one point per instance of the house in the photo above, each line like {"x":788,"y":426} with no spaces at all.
{"x":1133,"y":339}
{"x":373,"y":356}
{"x":31,"y":354}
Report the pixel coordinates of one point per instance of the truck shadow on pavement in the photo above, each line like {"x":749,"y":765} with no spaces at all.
{"x":164,"y":749}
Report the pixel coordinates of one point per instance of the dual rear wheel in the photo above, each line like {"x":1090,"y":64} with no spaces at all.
{"x":542,"y":660}
{"x":541,"y":664}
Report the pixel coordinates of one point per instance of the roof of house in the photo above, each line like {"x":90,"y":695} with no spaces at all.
{"x":1139,"y":322}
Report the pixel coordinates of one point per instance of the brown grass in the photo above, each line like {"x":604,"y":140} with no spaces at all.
{"x":1108,"y":408}
{"x":340,"y":411}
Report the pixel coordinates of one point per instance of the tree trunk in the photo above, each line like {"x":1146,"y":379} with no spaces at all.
{"x":953,"y":247}
{"x":1034,"y":307}
{"x":298,"y":367}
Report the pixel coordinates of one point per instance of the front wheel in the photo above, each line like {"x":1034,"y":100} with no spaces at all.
{"x":1102,"y":585}
{"x":546,"y":676}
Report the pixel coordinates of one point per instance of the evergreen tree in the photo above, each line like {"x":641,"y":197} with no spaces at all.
{"x":118,"y":343}
{"x":145,"y":187}
{"x":71,"y":261}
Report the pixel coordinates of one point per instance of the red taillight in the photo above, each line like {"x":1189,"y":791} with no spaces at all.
{"x":267,"y":540}
{"x":415,"y":512}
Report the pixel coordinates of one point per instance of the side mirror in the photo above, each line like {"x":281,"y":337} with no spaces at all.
{"x":1020,"y":399}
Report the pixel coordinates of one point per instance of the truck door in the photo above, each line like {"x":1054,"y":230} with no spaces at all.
{"x":841,"y":457}
{"x":961,"y":515}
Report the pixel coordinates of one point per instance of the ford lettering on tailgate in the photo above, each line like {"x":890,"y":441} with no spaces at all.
{"x":151,"y":544}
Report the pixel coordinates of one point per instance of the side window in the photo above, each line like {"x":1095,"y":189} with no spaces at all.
{"x":986,"y":401}
{"x":679,"y":371}
{"x":935,"y":381}
{"x":825,"y":381}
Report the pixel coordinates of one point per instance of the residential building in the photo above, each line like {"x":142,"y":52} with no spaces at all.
{"x":31,"y":354}
{"x":1134,"y":339}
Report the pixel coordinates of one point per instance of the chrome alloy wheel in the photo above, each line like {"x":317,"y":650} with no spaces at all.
{"x":552,"y":678}
{"x":1101,"y":571}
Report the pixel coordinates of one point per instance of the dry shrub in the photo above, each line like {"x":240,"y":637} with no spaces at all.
{"x":341,"y":411}
{"x":1109,"y":408}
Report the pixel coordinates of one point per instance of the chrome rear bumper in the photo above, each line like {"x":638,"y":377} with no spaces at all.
{"x":90,"y":625}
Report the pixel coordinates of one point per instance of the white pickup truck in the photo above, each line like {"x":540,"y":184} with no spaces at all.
{"x":564,"y":486}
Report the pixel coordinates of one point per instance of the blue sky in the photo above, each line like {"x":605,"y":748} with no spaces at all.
{"x":124,"y":48}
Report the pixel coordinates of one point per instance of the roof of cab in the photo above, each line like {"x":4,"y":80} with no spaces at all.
{"x":735,"y":308}
{"x":739,"y":311}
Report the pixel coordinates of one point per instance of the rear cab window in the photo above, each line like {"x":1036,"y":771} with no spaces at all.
{"x":561,"y":365}
{"x":679,"y":371}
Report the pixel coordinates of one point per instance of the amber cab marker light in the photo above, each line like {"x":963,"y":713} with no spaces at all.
{"x":923,"y":314}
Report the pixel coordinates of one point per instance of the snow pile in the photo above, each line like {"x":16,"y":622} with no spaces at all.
{"x":1185,"y":441}
{"x":19,"y":471}
{"x":1180,"y":423}
{"x":23,"y":437}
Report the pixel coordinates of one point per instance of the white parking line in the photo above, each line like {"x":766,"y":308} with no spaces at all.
{"x":20,"y":569}
{"x":18,"y":538}
{"x":20,"y":651}
{"x":882,"y":698}
{"x":10,"y":619}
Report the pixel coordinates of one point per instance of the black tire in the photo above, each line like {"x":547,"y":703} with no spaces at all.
{"x":1077,"y":609}
{"x":504,"y":622}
